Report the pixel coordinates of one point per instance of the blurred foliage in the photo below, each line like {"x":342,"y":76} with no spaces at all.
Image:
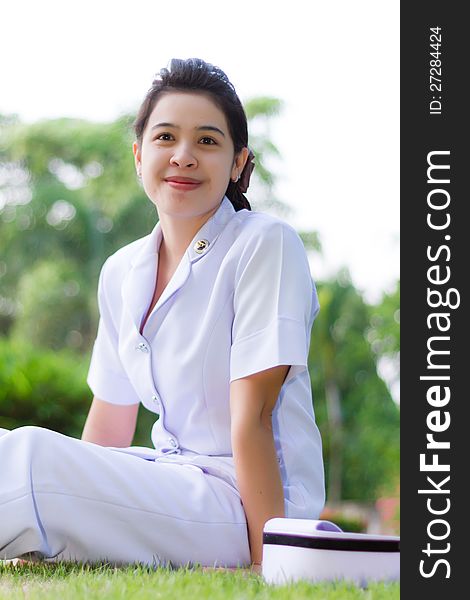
{"x":383,"y":335}
{"x":42,"y":387}
{"x":48,"y":389}
{"x":53,"y":286}
{"x":69,"y":198}
{"x":384,"y":331}
{"x":355,"y":412}
{"x":68,"y":195}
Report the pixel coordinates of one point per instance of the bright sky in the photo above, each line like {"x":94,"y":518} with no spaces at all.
{"x":335,"y":65}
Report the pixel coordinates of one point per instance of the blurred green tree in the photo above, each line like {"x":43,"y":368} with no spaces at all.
{"x":356,"y":414}
{"x":383,"y":334}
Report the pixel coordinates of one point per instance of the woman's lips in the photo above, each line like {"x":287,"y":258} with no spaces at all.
{"x":186,"y":186}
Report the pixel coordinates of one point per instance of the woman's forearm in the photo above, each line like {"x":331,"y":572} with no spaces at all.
{"x":259,"y":480}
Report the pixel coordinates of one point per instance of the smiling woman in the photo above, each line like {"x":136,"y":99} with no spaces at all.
{"x":206,"y":321}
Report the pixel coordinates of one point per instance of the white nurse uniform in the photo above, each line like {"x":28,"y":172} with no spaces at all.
{"x":242,"y":300}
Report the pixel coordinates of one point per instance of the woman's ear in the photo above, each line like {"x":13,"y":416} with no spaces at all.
{"x":239,"y":162}
{"x":137,"y":158}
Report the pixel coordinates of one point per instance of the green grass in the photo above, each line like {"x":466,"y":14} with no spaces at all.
{"x":74,"y":580}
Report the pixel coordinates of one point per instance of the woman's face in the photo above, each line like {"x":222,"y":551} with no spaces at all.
{"x":187,"y":136}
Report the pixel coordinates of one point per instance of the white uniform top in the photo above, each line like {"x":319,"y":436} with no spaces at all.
{"x":242,"y":300}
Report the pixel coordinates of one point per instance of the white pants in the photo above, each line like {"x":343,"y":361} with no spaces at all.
{"x":62,"y":498}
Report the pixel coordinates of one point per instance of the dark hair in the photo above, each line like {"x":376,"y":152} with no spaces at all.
{"x":195,"y":75}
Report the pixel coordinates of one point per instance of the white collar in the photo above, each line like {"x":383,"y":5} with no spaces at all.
{"x":139,"y":283}
{"x":209,"y":232}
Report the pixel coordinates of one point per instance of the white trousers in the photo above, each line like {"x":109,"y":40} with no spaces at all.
{"x":62,"y":498}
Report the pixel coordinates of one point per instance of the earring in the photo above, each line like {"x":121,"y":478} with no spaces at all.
{"x":235,"y":180}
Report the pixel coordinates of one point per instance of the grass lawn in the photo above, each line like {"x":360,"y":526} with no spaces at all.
{"x":73,"y":581}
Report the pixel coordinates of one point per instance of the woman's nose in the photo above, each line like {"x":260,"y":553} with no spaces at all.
{"x":182,"y":157}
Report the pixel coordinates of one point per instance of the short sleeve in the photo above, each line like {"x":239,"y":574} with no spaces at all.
{"x":275,"y":303}
{"x":107,"y":378}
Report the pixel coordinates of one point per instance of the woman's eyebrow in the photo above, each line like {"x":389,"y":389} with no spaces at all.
{"x":205,"y":127}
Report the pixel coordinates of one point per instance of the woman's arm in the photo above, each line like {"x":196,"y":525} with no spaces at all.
{"x":110,"y":424}
{"x":252,"y":400}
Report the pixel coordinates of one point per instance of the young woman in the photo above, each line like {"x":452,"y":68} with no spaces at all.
{"x":206,"y":321}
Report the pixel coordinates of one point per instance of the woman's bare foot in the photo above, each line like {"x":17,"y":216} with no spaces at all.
{"x":15,"y":561}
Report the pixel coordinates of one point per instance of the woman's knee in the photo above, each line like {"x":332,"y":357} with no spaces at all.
{"x":31,"y":435}
{"x":31,"y":446}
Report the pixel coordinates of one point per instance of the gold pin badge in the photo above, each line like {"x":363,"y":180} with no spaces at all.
{"x":200,"y":246}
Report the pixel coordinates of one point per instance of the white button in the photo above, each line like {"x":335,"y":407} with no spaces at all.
{"x":155,"y":399}
{"x":172,"y":442}
{"x":142,"y":347}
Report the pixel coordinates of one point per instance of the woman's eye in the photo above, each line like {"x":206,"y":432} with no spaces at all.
{"x":210,"y":140}
{"x":162,"y":134}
